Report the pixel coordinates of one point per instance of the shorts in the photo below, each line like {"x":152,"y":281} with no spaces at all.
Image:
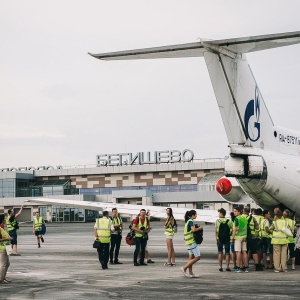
{"x":38,"y":232}
{"x":223,"y":245}
{"x":266,"y":245}
{"x":14,"y":236}
{"x":194,"y":249}
{"x":240,"y":245}
{"x":169,"y":237}
{"x":254,"y":245}
{"x":291,"y":247}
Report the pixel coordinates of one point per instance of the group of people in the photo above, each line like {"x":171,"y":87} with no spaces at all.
{"x":10,"y":237}
{"x":256,"y":235}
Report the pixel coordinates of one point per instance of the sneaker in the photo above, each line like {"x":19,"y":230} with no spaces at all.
{"x":136,"y":264}
{"x":228,"y":269}
{"x":246,"y":270}
{"x":111,"y":262}
{"x":173,"y":265}
{"x":143,"y":264}
{"x":221,"y":269}
{"x":39,"y":246}
{"x":238,"y":270}
{"x":276,"y":271}
{"x":117,"y":263}
{"x":42,"y":239}
{"x":293,"y":267}
{"x":194,"y":276}
{"x":182,"y":270}
{"x":167,"y":264}
{"x":150,"y":261}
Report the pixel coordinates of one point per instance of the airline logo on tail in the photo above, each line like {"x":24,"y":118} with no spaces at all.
{"x":252,"y":124}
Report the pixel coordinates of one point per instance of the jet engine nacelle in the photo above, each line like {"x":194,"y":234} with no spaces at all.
{"x":231,"y":191}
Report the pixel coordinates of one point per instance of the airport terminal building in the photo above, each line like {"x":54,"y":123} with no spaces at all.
{"x":166,"y":178}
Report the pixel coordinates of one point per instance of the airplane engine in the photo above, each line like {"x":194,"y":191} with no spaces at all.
{"x":231,"y":191}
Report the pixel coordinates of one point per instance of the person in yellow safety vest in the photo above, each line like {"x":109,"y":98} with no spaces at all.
{"x":239,"y":238}
{"x":102,"y":231}
{"x":266,"y":236}
{"x":279,"y":242}
{"x":259,"y":218}
{"x":12,"y":227}
{"x":141,"y":226}
{"x":169,"y":233}
{"x":4,"y":259}
{"x":193,"y":247}
{"x":116,"y":238}
{"x":253,"y":242}
{"x":291,"y":240}
{"x":37,"y":228}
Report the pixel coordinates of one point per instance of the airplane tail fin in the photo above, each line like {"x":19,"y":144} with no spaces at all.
{"x":244,"y":113}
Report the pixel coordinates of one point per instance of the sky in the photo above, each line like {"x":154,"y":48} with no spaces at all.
{"x":60,"y":106}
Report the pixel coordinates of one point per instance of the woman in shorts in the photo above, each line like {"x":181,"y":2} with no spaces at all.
{"x":169,"y":233}
{"x":193,"y":247}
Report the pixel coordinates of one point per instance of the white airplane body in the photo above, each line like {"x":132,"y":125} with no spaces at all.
{"x":264,"y":159}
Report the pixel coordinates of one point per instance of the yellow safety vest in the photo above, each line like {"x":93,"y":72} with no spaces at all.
{"x":251,"y":225}
{"x":291,"y":224}
{"x":38,"y":222}
{"x":4,"y":235}
{"x":262,"y":229}
{"x":139,"y":225}
{"x":279,"y":237}
{"x":103,"y":230}
{"x":10,"y":225}
{"x":169,"y":230}
{"x":188,"y":235}
{"x":118,"y":221}
{"x":259,"y":219}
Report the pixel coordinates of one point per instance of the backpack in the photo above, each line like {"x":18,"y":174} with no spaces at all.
{"x":248,"y":228}
{"x":198,"y":235}
{"x":224,"y":232}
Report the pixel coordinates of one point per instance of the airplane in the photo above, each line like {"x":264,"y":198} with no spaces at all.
{"x":263,"y":162}
{"x":263,"y":158}
{"x":203,"y":215}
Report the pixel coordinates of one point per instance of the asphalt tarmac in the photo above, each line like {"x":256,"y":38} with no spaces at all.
{"x":67,"y":267}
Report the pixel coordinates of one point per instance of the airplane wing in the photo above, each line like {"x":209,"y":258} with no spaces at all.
{"x":203,"y":215}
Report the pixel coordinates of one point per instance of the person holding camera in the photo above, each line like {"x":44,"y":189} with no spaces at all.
{"x":116,"y":237}
{"x":12,"y":227}
{"x":141,"y":226}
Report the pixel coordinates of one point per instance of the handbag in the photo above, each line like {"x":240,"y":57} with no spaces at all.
{"x":96,"y":244}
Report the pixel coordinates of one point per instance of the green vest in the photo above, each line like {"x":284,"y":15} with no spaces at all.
{"x":291,"y":224}
{"x":251,"y":224}
{"x":188,"y":235}
{"x":103,"y":230}
{"x":10,"y":225}
{"x":3,"y":234}
{"x":169,"y":230}
{"x":242,"y":228}
{"x":38,"y":222}
{"x":139,"y":225}
{"x":279,"y":237}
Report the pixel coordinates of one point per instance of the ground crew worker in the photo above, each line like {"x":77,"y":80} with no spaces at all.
{"x":291,"y":239}
{"x":141,"y":226}
{"x":116,"y":238}
{"x":4,"y":259}
{"x":37,"y":228}
{"x":193,"y":247}
{"x":279,"y":242}
{"x":12,"y":227}
{"x":239,"y":236}
{"x":102,"y":231}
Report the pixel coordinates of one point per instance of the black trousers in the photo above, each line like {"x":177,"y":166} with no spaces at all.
{"x":140,"y":244}
{"x":103,"y":254}
{"x":115,"y":243}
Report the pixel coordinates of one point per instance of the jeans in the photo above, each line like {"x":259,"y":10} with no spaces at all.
{"x":115,"y":243}
{"x":140,"y":244}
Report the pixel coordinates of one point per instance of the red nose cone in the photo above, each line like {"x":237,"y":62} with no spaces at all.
{"x":223,"y":186}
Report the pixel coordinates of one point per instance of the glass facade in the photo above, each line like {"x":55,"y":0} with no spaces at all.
{"x":153,"y":189}
{"x":7,"y":188}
